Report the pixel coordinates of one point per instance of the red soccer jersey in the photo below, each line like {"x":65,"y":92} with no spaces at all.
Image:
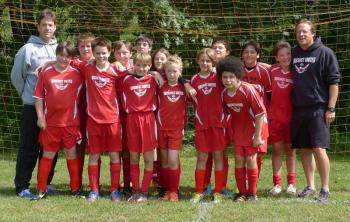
{"x":259,"y":75}
{"x":139,"y":94}
{"x":209,"y":111}
{"x":102,"y":102}
{"x":172,"y":107}
{"x":244,"y":106}
{"x":60,"y":92}
{"x":281,"y":99}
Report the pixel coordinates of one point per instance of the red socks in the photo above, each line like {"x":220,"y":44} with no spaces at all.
{"x":126,"y":171}
{"x":44,"y":169}
{"x":240,"y":175}
{"x":291,"y":178}
{"x":208,"y":168}
{"x":219,"y":180}
{"x":74,"y":169}
{"x":93,"y":172}
{"x":164,"y":178}
{"x":226,"y":166}
{"x":99,"y":170}
{"x":135,"y":177}
{"x":199,"y":177}
{"x":146,"y":181}
{"x":277,"y":180}
{"x":174,"y":180}
{"x":81,"y":167}
{"x":114,"y":169}
{"x":252,"y":175}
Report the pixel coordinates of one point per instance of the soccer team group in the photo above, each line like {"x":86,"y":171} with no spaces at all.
{"x":137,"y":106}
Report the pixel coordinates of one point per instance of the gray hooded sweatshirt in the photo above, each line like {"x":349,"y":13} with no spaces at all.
{"x":27,"y":60}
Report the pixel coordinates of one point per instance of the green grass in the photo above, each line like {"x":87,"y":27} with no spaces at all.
{"x":62,"y":207}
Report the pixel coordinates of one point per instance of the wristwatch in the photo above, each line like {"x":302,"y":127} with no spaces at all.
{"x":331,"y":109}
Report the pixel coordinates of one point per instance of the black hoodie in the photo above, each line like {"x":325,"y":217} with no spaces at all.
{"x":313,"y":71}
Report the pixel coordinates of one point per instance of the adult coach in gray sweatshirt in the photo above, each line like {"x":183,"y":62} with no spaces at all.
{"x":315,"y":91}
{"x":38,"y":51}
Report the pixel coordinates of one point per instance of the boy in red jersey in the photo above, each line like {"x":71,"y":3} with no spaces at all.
{"x":103,"y":124}
{"x":280,"y":115}
{"x":140,"y":103}
{"x":171,"y":120}
{"x":257,"y":73}
{"x":56,"y":93}
{"x":249,"y":125}
{"x":209,"y":123}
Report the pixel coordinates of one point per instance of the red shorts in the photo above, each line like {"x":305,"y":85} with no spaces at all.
{"x":103,"y":137}
{"x":210,"y":140}
{"x":170,"y":139}
{"x":141,"y":130}
{"x":279,"y":131}
{"x":250,"y":150}
{"x":54,"y":138}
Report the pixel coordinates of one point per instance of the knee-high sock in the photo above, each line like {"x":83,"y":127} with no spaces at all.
{"x":99,"y":171}
{"x":174,"y":180}
{"x":44,"y":169}
{"x":164,"y":178}
{"x":226,"y":167}
{"x":93,"y":172}
{"x":146,"y":181}
{"x":199,"y":177}
{"x":81,"y":168}
{"x":252,"y":180}
{"x":219,"y":180}
{"x":73,"y":166}
{"x":135,"y":177}
{"x":241,"y":178}
{"x":114,"y":169}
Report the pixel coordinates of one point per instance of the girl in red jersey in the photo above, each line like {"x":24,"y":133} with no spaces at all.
{"x":122,"y":53}
{"x":171,"y":119}
{"x":222,"y":49}
{"x":279,"y":113}
{"x":56,"y":94}
{"x":257,"y":73}
{"x":209,"y":123}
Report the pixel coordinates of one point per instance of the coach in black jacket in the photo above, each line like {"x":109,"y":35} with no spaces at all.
{"x":316,"y":77}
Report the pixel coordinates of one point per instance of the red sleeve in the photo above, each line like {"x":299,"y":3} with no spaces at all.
{"x":39,"y":88}
{"x":255,"y":101}
{"x":265,"y":78}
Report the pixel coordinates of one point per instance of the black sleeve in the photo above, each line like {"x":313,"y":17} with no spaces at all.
{"x":182,"y":80}
{"x":332,"y":67}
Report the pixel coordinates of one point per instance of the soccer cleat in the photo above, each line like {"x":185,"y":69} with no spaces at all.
{"x":51,"y":189}
{"x":275,"y":190}
{"x":323,"y":196}
{"x":218,"y":198}
{"x":39,"y":196}
{"x":291,"y":189}
{"x":142,"y":198}
{"x":93,"y":196}
{"x":208,"y":190}
{"x":78,"y":193}
{"x":240,"y":197}
{"x":226,"y":192}
{"x":133,"y":197}
{"x":307,"y":192}
{"x":252,"y":197}
{"x":197,"y":197}
{"x":25,"y":194}
{"x":116,"y":196}
{"x":173,"y":197}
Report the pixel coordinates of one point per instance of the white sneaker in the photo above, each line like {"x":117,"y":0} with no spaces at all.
{"x":291,"y":189}
{"x":276,"y":190}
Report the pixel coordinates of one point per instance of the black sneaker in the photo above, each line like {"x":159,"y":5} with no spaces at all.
{"x":39,"y":196}
{"x":307,"y":192}
{"x":78,"y":193}
{"x":240,"y":197}
{"x":323,"y":196}
{"x":252,"y":197}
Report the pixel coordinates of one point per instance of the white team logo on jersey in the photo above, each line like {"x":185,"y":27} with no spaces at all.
{"x":283,"y":83}
{"x":61,"y":84}
{"x":207,"y":87}
{"x":173,"y":96}
{"x":140,"y":90}
{"x":100,"y":81}
{"x":302,"y":67}
{"x":235,"y":106}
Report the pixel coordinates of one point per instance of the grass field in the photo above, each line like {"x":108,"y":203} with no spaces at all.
{"x":62,"y":207}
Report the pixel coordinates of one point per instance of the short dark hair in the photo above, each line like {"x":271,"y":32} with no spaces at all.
{"x":120,"y":43}
{"x":47,"y":13}
{"x":102,"y":42}
{"x":230,"y":64}
{"x":253,"y":43}
{"x":279,"y":45}
{"x":66,"y":46}
{"x":144,"y":38}
{"x":224,"y":42}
